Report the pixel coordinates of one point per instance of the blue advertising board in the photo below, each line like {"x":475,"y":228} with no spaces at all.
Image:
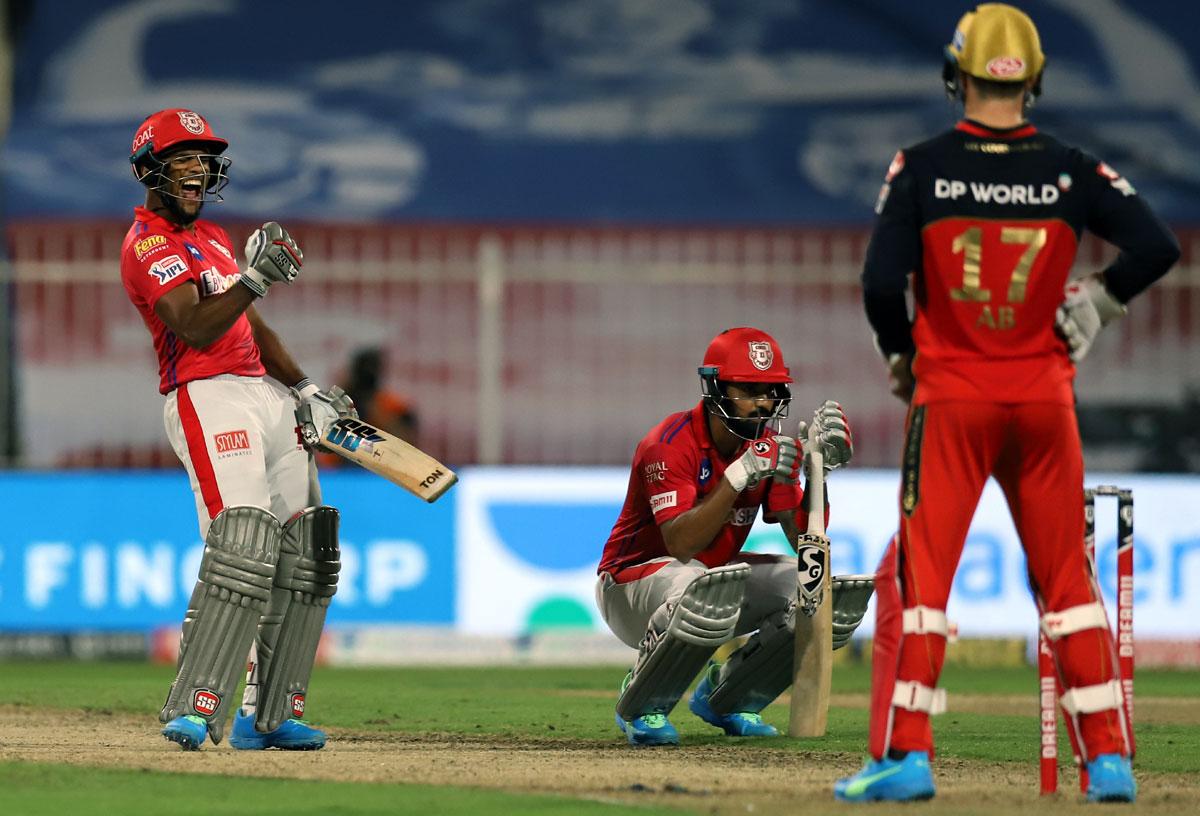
{"x":121,"y":550}
{"x":511,"y":549}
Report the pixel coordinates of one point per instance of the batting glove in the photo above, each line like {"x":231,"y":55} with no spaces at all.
{"x":1087,"y":307}
{"x":272,"y":256}
{"x":318,"y":409}
{"x":773,"y":456}
{"x":833,"y":430}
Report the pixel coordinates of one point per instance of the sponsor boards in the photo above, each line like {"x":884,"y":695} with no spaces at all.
{"x":661,"y":501}
{"x":148,"y":246}
{"x":992,"y":193}
{"x":167,"y":269}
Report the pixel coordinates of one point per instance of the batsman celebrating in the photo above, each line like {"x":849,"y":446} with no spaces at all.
{"x":271,"y":558}
{"x":672,"y":580}
{"x":987,"y":218}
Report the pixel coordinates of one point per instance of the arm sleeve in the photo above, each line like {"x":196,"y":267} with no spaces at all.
{"x":668,"y":479}
{"x":893,"y":253}
{"x":1120,"y":216}
{"x":155,"y":269}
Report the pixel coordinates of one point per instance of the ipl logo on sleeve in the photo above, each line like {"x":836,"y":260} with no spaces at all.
{"x":168,"y":268}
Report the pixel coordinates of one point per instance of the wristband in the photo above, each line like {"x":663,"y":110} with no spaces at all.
{"x":736,"y":475}
{"x":306,"y":388}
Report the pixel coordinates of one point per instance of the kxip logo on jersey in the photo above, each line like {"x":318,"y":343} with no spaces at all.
{"x":761,"y":355}
{"x":168,"y":268}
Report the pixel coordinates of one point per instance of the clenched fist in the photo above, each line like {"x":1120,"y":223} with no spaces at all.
{"x":774,"y":456}
{"x":271,"y":256}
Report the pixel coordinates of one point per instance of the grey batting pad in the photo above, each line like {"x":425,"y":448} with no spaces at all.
{"x":232,"y":592}
{"x":704,"y":617}
{"x":762,"y":668}
{"x":851,"y":594}
{"x":290,"y":631}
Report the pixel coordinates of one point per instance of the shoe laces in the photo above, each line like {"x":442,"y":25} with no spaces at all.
{"x":655,"y":720}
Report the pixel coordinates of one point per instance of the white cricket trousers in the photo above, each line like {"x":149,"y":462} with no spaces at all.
{"x":237,"y":438}
{"x":634,"y":608}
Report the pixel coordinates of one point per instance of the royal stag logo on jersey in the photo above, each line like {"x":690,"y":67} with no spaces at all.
{"x":192,"y":122}
{"x":761,"y":355}
{"x":811,"y":556}
{"x":206,"y":702}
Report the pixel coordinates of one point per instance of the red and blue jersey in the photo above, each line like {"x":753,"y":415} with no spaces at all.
{"x":674,"y":468}
{"x":157,"y":256}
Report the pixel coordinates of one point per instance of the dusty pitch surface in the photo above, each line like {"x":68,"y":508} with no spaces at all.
{"x":701,"y":779}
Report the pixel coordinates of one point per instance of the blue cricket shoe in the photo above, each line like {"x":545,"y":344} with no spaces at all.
{"x":649,"y":729}
{"x":293,"y":735}
{"x":189,"y":731}
{"x":889,"y":780}
{"x":1110,"y":779}
{"x":736,"y":724}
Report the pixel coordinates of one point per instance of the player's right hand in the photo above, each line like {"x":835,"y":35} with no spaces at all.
{"x":272,"y":256}
{"x":900,"y":376}
{"x":1087,"y":307}
{"x":774,"y":456}
{"x":317,"y":410}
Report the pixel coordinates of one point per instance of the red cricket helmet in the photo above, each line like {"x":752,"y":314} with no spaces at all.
{"x":744,"y":355}
{"x":175,"y":129}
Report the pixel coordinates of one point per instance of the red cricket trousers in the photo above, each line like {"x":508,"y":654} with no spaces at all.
{"x":1034,"y":452}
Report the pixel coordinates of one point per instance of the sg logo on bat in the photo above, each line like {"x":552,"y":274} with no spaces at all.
{"x":812,"y":553}
{"x":349,"y":433}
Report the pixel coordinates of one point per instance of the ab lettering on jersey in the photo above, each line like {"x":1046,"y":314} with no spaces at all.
{"x":992,"y":193}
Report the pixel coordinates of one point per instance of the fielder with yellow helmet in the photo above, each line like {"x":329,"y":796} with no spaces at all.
{"x":986,"y":218}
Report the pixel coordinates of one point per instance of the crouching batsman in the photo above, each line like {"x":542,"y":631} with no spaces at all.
{"x":673,"y":582}
{"x":986,"y":218}
{"x":271,"y":558}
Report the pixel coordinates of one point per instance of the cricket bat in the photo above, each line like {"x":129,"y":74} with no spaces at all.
{"x":390,"y":457}
{"x":813,"y":653}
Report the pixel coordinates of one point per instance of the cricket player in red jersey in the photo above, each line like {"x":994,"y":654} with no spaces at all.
{"x":271,"y":557}
{"x":987,"y":218}
{"x":673,"y":582}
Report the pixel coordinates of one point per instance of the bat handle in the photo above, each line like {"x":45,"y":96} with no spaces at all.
{"x":815,"y":488}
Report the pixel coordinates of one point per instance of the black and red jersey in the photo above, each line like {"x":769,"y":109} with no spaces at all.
{"x":988,"y":222}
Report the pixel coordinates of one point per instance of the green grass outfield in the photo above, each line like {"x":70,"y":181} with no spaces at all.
{"x":571,"y":705}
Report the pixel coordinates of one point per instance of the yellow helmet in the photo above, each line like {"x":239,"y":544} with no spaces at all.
{"x":995,"y":42}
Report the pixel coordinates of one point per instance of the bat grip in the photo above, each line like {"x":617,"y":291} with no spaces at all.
{"x":814,"y":489}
